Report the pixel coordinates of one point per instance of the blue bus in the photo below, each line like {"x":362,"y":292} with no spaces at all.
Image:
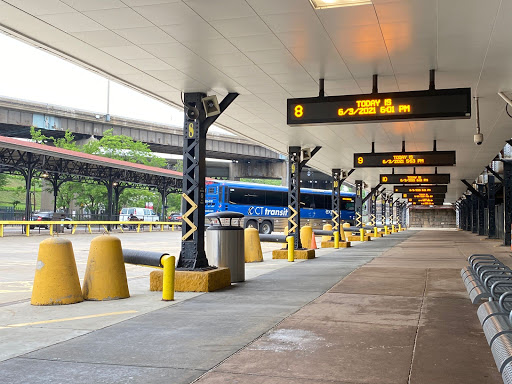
{"x":266,"y":206}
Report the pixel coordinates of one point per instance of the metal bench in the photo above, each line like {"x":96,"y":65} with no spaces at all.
{"x":507,"y":374}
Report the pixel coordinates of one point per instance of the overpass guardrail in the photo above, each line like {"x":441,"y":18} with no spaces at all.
{"x":74,"y":224}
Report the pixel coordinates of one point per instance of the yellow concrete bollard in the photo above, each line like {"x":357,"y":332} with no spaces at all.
{"x":393,"y":230}
{"x":399,"y":227}
{"x":290,"y":240}
{"x":306,"y":233}
{"x":342,"y":231}
{"x":105,"y":275}
{"x":169,"y":263}
{"x":252,"y":249}
{"x":56,"y":280}
{"x":327,"y":227}
{"x":375,"y":232}
{"x":362,"y":233}
{"x":336,"y":240}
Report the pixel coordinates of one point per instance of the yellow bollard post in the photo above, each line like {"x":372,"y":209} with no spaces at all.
{"x":361,"y":234}
{"x":252,"y":245}
{"x":56,"y":280}
{"x":27,"y":231}
{"x":1,"y":230}
{"x":386,"y":230}
{"x":327,"y":227}
{"x":150,"y":227}
{"x":399,"y":227}
{"x":393,"y":230}
{"x":51,"y":229}
{"x":336,"y":240}
{"x":290,"y":240}
{"x":105,"y":275}
{"x":306,"y":233}
{"x":169,"y":263}
{"x":375,"y":232}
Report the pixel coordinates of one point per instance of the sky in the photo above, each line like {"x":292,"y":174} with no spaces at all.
{"x":32,"y":74}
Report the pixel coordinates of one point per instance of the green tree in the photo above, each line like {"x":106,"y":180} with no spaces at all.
{"x":3,"y":180}
{"x":120,"y":147}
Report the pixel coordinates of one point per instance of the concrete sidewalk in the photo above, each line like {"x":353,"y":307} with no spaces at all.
{"x":391,"y":310}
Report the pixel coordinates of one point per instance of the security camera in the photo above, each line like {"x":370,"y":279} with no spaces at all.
{"x":478,"y":139}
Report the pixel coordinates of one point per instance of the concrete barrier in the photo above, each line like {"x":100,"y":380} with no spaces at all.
{"x":252,"y":246}
{"x":105,"y":275}
{"x":56,"y":279}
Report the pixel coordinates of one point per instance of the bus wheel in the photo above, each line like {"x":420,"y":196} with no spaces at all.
{"x":266,"y":228}
{"x":251,"y":224}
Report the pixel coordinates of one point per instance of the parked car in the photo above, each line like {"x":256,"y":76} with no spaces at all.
{"x":142,"y":214}
{"x":175,"y":217}
{"x":48,"y":216}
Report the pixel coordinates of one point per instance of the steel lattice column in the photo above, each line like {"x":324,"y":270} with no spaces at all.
{"x":399,"y":213}
{"x":491,"y":206}
{"x":192,"y":254}
{"x":391,"y":213}
{"x":294,"y":195}
{"x":481,"y":211}
{"x":469,"y":221}
{"x":373,"y":210}
{"x":335,"y":208}
{"x":383,"y":209}
{"x":474,"y":213}
{"x":507,"y":193}
{"x":359,"y":204}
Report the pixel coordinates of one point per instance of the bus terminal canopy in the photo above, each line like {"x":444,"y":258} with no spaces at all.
{"x":22,"y":155}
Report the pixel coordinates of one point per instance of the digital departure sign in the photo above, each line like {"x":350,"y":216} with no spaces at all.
{"x":404,"y":159}
{"x":423,"y":195}
{"x":421,"y":189}
{"x":434,"y":178}
{"x":426,"y":203}
{"x":415,"y":105}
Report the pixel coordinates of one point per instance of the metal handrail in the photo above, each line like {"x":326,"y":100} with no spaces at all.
{"x":88,"y":223}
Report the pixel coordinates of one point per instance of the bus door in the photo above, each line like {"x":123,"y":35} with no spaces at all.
{"x":212,"y":200}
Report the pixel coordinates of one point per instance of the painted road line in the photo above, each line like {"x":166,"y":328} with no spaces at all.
{"x":70,"y":319}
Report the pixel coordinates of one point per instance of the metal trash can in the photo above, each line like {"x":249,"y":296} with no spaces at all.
{"x":225,"y":243}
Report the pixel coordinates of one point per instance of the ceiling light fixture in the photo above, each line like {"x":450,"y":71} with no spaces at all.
{"x":321,"y":4}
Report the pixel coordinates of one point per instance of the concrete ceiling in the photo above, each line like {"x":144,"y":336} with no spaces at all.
{"x":271,"y":50}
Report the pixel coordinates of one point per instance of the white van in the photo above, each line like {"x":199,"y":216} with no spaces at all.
{"x":142,"y":214}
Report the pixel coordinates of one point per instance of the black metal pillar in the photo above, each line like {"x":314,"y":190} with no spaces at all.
{"x":195,"y":127}
{"x":359,"y":204}
{"x":110,"y":191}
{"x":294,"y":195}
{"x":335,"y":208}
{"x":163,"y":193}
{"x":28,"y":173}
{"x":373,"y":210}
{"x":507,"y":197}
{"x":481,"y":211}
{"x":469,"y":221}
{"x":391,"y":211}
{"x":398,"y":213}
{"x":192,"y":254}
{"x":491,"y":206}
{"x":474,"y":213}
{"x":383,"y":209}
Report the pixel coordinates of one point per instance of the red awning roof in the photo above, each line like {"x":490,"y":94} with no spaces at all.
{"x":27,"y":146}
